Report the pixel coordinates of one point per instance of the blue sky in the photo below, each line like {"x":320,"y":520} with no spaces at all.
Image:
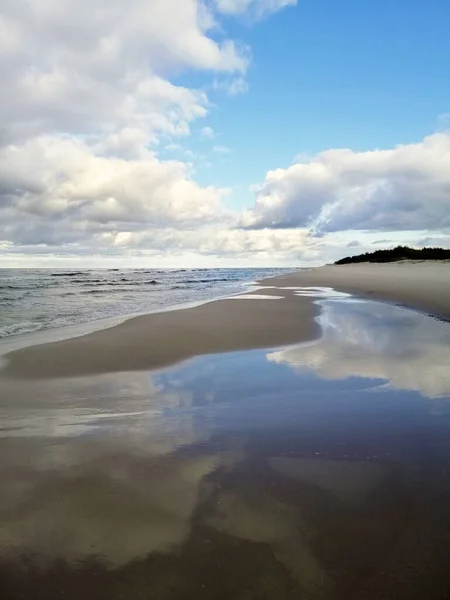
{"x":232,"y":132}
{"x":326,"y":74}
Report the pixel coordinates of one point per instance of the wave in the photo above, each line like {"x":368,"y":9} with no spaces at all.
{"x":206,"y":280}
{"x":18,"y":328}
{"x":86,"y":281}
{"x":110,"y":291}
{"x":68,"y":274}
{"x":24,"y":287}
{"x":121,"y":282}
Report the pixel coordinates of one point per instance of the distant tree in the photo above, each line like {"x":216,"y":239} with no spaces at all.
{"x":395,"y":254}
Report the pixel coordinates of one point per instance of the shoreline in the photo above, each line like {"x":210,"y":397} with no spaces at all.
{"x":417,"y":285}
{"x":12,"y":343}
{"x":161,"y":339}
{"x":164,"y":338}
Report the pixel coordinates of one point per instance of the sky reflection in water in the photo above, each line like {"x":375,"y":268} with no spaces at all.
{"x":316,"y":471}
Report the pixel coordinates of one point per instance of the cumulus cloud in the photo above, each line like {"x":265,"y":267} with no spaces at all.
{"x":65,"y":72}
{"x":220,"y":242}
{"x":66,"y":185}
{"x":405,"y":188}
{"x":82,"y":101}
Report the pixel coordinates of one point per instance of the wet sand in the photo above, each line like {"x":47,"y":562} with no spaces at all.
{"x":416,"y":284}
{"x":162,"y":339}
{"x":317,"y":471}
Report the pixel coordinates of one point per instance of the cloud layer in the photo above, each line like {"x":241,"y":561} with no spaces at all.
{"x":86,"y":90}
{"x":91,"y":93}
{"x":406,"y":188}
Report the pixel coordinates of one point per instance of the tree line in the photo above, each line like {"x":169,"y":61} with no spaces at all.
{"x":398,"y":253}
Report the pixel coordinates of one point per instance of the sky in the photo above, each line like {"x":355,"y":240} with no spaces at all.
{"x":168,"y":133}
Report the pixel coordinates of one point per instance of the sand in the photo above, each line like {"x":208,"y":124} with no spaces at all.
{"x":417,"y":284}
{"x":162,"y":339}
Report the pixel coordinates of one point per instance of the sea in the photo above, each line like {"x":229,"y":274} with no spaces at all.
{"x":33,"y":300}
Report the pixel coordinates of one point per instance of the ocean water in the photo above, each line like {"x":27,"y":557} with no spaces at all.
{"x":41,"y":299}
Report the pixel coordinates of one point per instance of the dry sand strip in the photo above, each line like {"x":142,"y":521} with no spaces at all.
{"x":419,"y":284}
{"x":161,"y":339}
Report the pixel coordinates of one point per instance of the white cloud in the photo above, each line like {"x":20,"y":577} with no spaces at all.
{"x":258,"y":7}
{"x":65,"y":72}
{"x":405,"y":188}
{"x":82,"y":100}
{"x":63,"y":185}
{"x":218,"y":241}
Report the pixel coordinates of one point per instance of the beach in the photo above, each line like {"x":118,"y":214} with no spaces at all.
{"x":418,"y":284}
{"x":288,"y":442}
{"x":278,"y":317}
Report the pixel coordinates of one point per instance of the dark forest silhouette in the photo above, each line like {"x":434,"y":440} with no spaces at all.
{"x":398,"y":253}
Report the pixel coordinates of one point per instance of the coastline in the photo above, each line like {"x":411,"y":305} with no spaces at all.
{"x":418,"y":285}
{"x":164,"y":338}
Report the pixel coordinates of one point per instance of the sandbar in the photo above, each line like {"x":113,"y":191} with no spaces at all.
{"x":162,"y":339}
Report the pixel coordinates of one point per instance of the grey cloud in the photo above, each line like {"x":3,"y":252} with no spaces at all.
{"x":406,"y":188}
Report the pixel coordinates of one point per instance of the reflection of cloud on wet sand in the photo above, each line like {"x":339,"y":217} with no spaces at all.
{"x":90,"y":467}
{"x":262,"y":519}
{"x":348,"y":481}
{"x":371,"y":340}
{"x":72,"y":407}
{"x":302,"y":508}
{"x":115,"y":505}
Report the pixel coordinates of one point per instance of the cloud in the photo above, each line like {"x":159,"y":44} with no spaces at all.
{"x":405,"y":188}
{"x":218,"y":242}
{"x":62,"y":190}
{"x":64,"y":196}
{"x":87,"y":103}
{"x":63,"y":72}
{"x":83,"y":102}
{"x":257,"y":7}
